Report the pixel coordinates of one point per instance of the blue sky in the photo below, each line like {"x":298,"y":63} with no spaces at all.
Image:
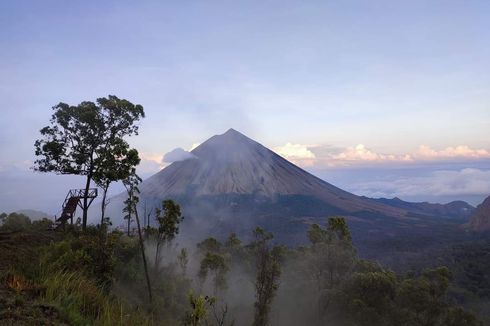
{"x":334,"y":86}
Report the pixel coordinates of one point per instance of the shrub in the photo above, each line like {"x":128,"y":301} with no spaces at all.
{"x":15,"y":222}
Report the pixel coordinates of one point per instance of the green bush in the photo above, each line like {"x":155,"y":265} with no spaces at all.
{"x":15,"y":222}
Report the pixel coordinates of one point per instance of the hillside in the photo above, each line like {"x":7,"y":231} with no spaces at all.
{"x":458,"y":210}
{"x":480,"y":220}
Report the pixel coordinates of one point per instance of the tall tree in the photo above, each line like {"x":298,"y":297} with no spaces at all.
{"x":216,"y":265}
{"x":80,"y":138}
{"x":268,"y":272}
{"x":131,"y":184}
{"x":168,"y":218}
{"x":117,"y":165}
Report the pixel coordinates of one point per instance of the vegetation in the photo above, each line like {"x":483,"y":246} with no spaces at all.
{"x":98,"y":277}
{"x":88,"y":140}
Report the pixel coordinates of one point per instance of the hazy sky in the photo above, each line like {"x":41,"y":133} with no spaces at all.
{"x":334,"y":86}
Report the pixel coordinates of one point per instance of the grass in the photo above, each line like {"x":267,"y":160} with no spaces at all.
{"x":33,"y":293}
{"x":81,"y":302}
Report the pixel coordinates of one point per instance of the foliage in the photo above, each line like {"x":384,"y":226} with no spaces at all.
{"x":118,"y":164}
{"x":130,"y":204}
{"x":42,"y":224}
{"x":215,"y":264}
{"x":131,"y":183}
{"x":15,"y":222}
{"x":88,"y":140}
{"x":168,"y":218}
{"x":209,"y":245}
{"x":198,"y":313}
{"x":470,"y":263}
{"x":92,"y":255}
{"x":268,"y":272}
{"x":94,"y":277}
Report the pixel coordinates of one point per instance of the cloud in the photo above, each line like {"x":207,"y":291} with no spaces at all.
{"x":321,"y":156}
{"x":150,"y":163}
{"x":461,"y":151}
{"x":361,"y":153}
{"x":296,"y":153}
{"x":463,"y":182}
{"x":178,"y":154}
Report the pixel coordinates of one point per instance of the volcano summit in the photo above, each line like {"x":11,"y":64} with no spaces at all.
{"x":233,"y":164}
{"x":232,"y":183}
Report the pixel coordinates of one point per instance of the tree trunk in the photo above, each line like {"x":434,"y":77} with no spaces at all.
{"x":142,"y":246}
{"x":129,"y":223}
{"x":85,"y":202}
{"x":157,"y":257}
{"x":104,"y":205}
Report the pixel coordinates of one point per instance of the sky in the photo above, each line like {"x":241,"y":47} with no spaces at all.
{"x":383,"y":98}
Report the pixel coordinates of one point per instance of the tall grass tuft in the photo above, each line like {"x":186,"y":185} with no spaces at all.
{"x":83,"y":303}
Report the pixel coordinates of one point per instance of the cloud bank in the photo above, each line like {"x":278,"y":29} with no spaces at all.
{"x":444,"y":183}
{"x":322,"y":156}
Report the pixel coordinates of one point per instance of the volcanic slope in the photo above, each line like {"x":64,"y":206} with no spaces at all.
{"x":233,"y":164}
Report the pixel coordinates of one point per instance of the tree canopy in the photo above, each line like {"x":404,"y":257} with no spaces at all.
{"x":88,"y":139}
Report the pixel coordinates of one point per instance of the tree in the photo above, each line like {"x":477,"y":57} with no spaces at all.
{"x":168,"y":217}
{"x":332,"y":254}
{"x":209,"y":245}
{"x":117,"y":165}
{"x":199,"y":312}
{"x":233,"y":243}
{"x":130,"y":204}
{"x":197,"y":315}
{"x":329,"y":261}
{"x":131,"y":185}
{"x":15,"y":222}
{"x":183,"y":259}
{"x":3,"y":217}
{"x":80,"y":139}
{"x":268,"y":272}
{"x":215,"y":264}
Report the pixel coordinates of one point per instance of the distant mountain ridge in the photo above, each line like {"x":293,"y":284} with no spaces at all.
{"x":480,"y":220}
{"x":454,"y":210}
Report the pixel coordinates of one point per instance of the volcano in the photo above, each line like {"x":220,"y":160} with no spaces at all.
{"x":231,"y":183}
{"x":233,"y":165}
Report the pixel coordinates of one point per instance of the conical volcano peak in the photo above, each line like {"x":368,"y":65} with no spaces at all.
{"x":229,"y":143}
{"x":233,"y":164}
{"x":233,"y":134}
